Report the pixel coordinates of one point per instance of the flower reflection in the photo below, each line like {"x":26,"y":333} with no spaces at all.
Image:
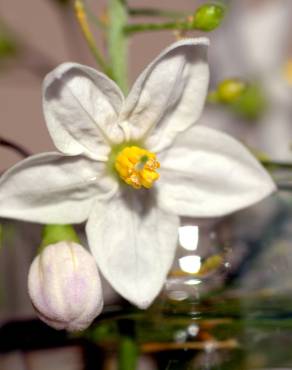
{"x":188,"y":237}
{"x":190,"y":264}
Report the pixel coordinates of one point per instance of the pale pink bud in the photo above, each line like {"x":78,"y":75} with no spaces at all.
{"x":64,"y":286}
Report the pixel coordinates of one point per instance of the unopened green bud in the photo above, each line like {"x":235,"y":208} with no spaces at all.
{"x":230,"y":90}
{"x":208,"y":17}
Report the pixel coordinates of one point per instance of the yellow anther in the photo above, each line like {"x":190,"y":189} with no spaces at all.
{"x":137,"y":167}
{"x":288,"y":71}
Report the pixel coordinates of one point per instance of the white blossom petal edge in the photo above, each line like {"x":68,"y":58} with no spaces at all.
{"x":111,"y":150}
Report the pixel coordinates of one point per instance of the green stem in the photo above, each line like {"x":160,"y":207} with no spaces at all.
{"x":181,"y":25}
{"x":281,"y":172}
{"x":128,"y":354}
{"x":270,"y":164}
{"x":117,"y":42}
{"x":152,"y":12}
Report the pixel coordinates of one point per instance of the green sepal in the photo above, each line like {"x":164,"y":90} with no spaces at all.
{"x":53,"y":234}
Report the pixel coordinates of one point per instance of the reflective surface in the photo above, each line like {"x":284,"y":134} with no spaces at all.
{"x":227,"y":303}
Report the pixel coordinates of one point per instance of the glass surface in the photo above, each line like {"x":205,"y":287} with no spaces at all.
{"x":226,"y":305}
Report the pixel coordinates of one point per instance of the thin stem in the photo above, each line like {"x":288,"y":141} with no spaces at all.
{"x":152,"y":12}
{"x":282,"y":178}
{"x":270,"y":164}
{"x":84,"y":25}
{"x":180,"y":25}
{"x":117,"y":42}
{"x":128,"y":353}
{"x":13,"y":146}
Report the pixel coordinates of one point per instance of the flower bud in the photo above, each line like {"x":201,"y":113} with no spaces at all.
{"x":208,"y":17}
{"x":230,"y":90}
{"x":252,"y":103}
{"x":64,"y":286}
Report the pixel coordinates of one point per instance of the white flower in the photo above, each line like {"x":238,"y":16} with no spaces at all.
{"x":133,"y":232}
{"x":254,"y":45}
{"x":64,"y":286}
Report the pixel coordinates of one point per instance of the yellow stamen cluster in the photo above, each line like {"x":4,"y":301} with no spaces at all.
{"x":137,"y":167}
{"x":288,"y":71}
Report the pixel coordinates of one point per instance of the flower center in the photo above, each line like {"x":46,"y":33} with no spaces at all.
{"x":137,"y":167}
{"x":288,"y":71}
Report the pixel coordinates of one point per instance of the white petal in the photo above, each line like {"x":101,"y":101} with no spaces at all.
{"x":168,"y":96}
{"x":81,"y":107}
{"x":207,"y":173}
{"x":52,"y":188}
{"x":134,"y":244}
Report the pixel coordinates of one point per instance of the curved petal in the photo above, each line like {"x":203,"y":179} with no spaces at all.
{"x":52,"y":188}
{"x":134,"y":244}
{"x":207,"y":173}
{"x":81,"y":107}
{"x":168,"y":96}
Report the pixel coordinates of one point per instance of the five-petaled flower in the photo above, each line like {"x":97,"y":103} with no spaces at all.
{"x":132,"y":167}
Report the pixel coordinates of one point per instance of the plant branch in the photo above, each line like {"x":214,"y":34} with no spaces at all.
{"x":270,"y":164}
{"x":81,"y":17}
{"x":152,"y":12}
{"x":14,"y":146}
{"x":117,"y":42}
{"x":142,"y":27}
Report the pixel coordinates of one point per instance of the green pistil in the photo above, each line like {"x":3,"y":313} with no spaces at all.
{"x":140,"y":165}
{"x":116,"y":149}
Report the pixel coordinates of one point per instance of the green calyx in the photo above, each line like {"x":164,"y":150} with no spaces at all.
{"x":208,"y":17}
{"x":53,"y":234}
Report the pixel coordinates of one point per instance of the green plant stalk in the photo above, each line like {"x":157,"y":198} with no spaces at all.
{"x":81,"y":17}
{"x":117,"y":42}
{"x":270,"y":164}
{"x":128,"y":354}
{"x":280,"y":171}
{"x":180,"y":25}
{"x":152,"y":12}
